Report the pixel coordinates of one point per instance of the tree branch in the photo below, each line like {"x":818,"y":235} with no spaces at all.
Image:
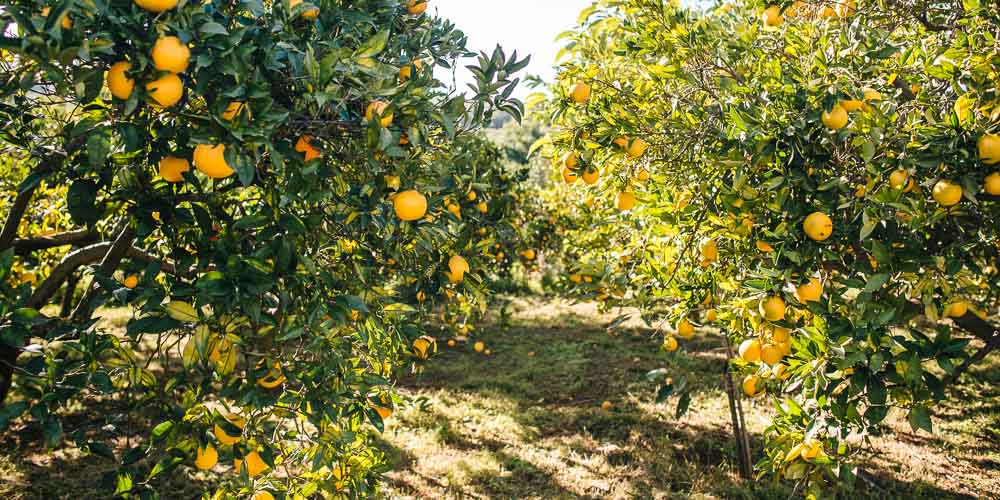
{"x":14,"y":217}
{"x":70,"y":263}
{"x":81,"y":237}
{"x":110,"y":262}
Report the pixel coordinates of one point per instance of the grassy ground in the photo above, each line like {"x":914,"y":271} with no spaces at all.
{"x":514,"y":425}
{"x":511,"y":425}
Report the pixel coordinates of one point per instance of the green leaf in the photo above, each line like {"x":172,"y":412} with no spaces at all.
{"x":920,"y":418}
{"x":374,"y":45}
{"x":212,"y":28}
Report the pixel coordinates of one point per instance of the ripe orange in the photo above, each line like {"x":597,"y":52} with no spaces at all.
{"x":65,"y":22}
{"x":207,"y":457}
{"x":377,"y":108}
{"x":312,"y":13}
{"x":836,"y":118}
{"x":989,"y":148}
{"x":749,"y":350}
{"x":407,"y":71}
{"x":947,"y":193}
{"x":956,"y":309}
{"x":771,"y":17}
{"x":637,"y":148}
{"x":642,"y":175}
{"x":851,"y":105}
{"x":811,"y":291}
{"x":165,"y":91}
{"x":580,"y":93}
{"x":233,"y":109}
{"x":711,"y":316}
{"x":410,"y":205}
{"x":771,"y":354}
{"x":752,"y":386}
{"x":263,"y":495}
{"x":157,"y":5}
{"x":590,"y":177}
{"x":571,"y":160}
{"x":685,"y":329}
{"x":211,"y":160}
{"x":169,"y":54}
{"x":131,"y":282}
{"x":415,"y":7}
{"x":992,"y":184}
{"x":304,"y":145}
{"x":901,"y":179}
{"x":254,"y":464}
{"x":765,"y":247}
{"x":818,"y":226}
{"x":709,"y":250}
{"x":172,"y":168}
{"x":871,"y":94}
{"x":224,"y":438}
{"x":118,"y":82}
{"x":780,"y":334}
{"x":772,"y":308}
{"x":626,"y":201}
{"x":606,"y":405}
{"x":479,"y":347}
{"x":670,"y":344}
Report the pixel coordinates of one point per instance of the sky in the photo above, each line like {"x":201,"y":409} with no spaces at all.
{"x":528,"y":26}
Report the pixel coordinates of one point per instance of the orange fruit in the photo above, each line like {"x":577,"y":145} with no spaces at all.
{"x":836,"y":118}
{"x":771,"y":354}
{"x":637,"y":148}
{"x":304,"y":145}
{"x":415,"y":7}
{"x":254,"y":464}
{"x":749,"y":350}
{"x":670,"y":344}
{"x":377,"y":108}
{"x":772,"y":308}
{"x":709,"y":250}
{"x":233,"y":109}
{"x":407,"y":71}
{"x":900,"y":178}
{"x":410,"y":205}
{"x":65,"y":22}
{"x":992,"y":184}
{"x":590,"y":177}
{"x":752,"y":386}
{"x":211,"y":160}
{"x":765,"y":247}
{"x":571,"y":160}
{"x":818,"y":226}
{"x":851,"y":105}
{"x":169,"y":54}
{"x":642,"y":175}
{"x":118,"y":82}
{"x":207,"y":457}
{"x":157,"y":5}
{"x":263,"y":495}
{"x":989,"y":149}
{"x":311,"y":13}
{"x":626,"y":201}
{"x":771,"y":16}
{"x":947,"y":193}
{"x":165,"y":91}
{"x":569,"y":176}
{"x":172,"y":168}
{"x":479,"y":347}
{"x":811,"y":291}
{"x":580,"y":93}
{"x":685,"y":329}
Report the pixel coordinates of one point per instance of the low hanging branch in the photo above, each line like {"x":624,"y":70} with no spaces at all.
{"x":80,"y":237}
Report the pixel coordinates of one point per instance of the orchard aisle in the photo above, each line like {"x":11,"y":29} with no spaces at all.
{"x":528,"y":422}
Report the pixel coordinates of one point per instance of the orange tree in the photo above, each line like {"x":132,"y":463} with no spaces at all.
{"x":260,"y":184}
{"x":819,"y":180}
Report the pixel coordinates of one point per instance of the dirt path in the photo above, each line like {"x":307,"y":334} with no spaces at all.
{"x":515,"y":425}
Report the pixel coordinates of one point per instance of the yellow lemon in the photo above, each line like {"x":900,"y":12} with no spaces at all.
{"x":947,"y":193}
{"x":118,"y":82}
{"x":410,"y":205}
{"x":173,"y":168}
{"x":772,"y":308}
{"x":169,"y":54}
{"x":211,"y":160}
{"x":165,"y":91}
{"x":818,"y":226}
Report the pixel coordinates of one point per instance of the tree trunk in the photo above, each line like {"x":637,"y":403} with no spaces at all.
{"x":736,"y":415}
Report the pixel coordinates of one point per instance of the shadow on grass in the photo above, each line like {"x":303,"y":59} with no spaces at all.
{"x":574,"y":364}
